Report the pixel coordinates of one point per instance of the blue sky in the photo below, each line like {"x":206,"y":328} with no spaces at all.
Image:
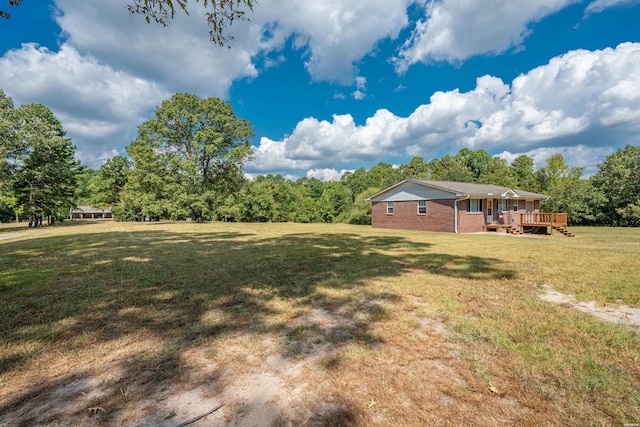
{"x":332,"y":85}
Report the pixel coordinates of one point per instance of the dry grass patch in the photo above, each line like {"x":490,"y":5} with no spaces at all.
{"x":317,"y":325}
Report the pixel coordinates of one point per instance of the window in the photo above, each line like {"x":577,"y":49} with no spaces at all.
{"x":422,"y":207}
{"x":529,"y":206}
{"x":475,"y":205}
{"x":515,"y":206}
{"x":503,"y":205}
{"x":389,"y":208}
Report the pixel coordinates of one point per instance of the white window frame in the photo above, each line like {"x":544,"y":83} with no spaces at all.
{"x":478,"y":206}
{"x":422,"y":208}
{"x":503,"y":205}
{"x":515,"y":205}
{"x":530,"y":206}
{"x":389,"y":208}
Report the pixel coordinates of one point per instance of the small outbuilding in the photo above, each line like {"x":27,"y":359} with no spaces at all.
{"x":460,"y":207}
{"x":89,"y":212}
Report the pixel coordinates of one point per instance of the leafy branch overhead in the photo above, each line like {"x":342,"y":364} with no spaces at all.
{"x":5,"y":14}
{"x":220,"y":14}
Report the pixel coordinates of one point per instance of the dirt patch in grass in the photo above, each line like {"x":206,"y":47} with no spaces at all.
{"x":10,"y":235}
{"x":622,"y":314}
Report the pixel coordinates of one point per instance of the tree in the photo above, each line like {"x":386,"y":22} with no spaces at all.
{"x":450,"y":168}
{"x":577,"y":197}
{"x":8,"y":142}
{"x":334,"y":202}
{"x":497,"y":172}
{"x":523,"y":168}
{"x":257,"y":202}
{"x":5,"y":14}
{"x":144,"y":193}
{"x":361,"y":211}
{"x":108,"y":183}
{"x":220,"y":14}
{"x":416,"y":168}
{"x":45,"y":170}
{"x":619,"y":179}
{"x":569,"y":192}
{"x":548,"y":176}
{"x":188,"y":159}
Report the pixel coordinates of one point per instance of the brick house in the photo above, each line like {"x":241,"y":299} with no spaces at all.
{"x":458,"y":207}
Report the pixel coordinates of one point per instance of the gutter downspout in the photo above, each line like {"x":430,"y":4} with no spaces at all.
{"x":455,"y":213}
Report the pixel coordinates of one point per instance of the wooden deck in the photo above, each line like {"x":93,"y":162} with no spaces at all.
{"x":543,"y":219}
{"x":532,"y":221}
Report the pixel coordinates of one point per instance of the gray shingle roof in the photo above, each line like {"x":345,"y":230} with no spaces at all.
{"x":473,"y":189}
{"x":90,"y":209}
{"x":468,"y":189}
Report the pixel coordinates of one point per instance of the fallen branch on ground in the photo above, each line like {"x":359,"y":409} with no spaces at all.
{"x":193,"y":420}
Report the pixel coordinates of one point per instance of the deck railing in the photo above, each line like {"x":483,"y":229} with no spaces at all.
{"x":544,"y":218}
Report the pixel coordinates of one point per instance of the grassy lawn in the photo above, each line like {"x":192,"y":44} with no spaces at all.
{"x":106,"y":323}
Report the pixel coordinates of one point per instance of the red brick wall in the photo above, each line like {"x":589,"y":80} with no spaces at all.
{"x":471,"y":222}
{"x":405,"y":216}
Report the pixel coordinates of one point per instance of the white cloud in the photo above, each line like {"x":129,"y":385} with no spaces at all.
{"x":358,"y":95}
{"x":326,"y":174}
{"x":336,"y":33}
{"x":455,"y":30}
{"x":101,"y":105}
{"x":600,"y":5}
{"x":577,"y":99}
{"x":96,"y":104}
{"x":180,"y":56}
{"x":361,"y":86}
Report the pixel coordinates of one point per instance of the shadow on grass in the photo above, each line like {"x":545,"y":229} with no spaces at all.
{"x":186,"y":289}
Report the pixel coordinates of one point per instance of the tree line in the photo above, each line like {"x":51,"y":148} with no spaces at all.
{"x":186,"y":163}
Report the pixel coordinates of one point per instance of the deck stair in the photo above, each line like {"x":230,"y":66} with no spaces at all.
{"x":563,"y":230}
{"x":512,"y":230}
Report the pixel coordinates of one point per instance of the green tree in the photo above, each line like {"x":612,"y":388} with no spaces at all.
{"x":361,"y":211}
{"x":285,"y":196}
{"x":549,"y":175}
{"x":189,"y":158}
{"x":145,"y":190}
{"x":107,"y":184}
{"x":619,"y":179}
{"x":356,"y":181}
{"x":578,"y":197}
{"x":334,"y":203}
{"x":450,"y":168}
{"x":475,"y":161}
{"x":258,"y":204}
{"x":8,"y":143}
{"x":45,"y":175}
{"x":568,"y":192}
{"x":524,"y":171}
{"x":497,"y":172}
{"x":416,"y":168}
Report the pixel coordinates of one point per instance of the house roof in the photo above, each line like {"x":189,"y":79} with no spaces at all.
{"x":90,"y":209}
{"x":468,"y":189}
